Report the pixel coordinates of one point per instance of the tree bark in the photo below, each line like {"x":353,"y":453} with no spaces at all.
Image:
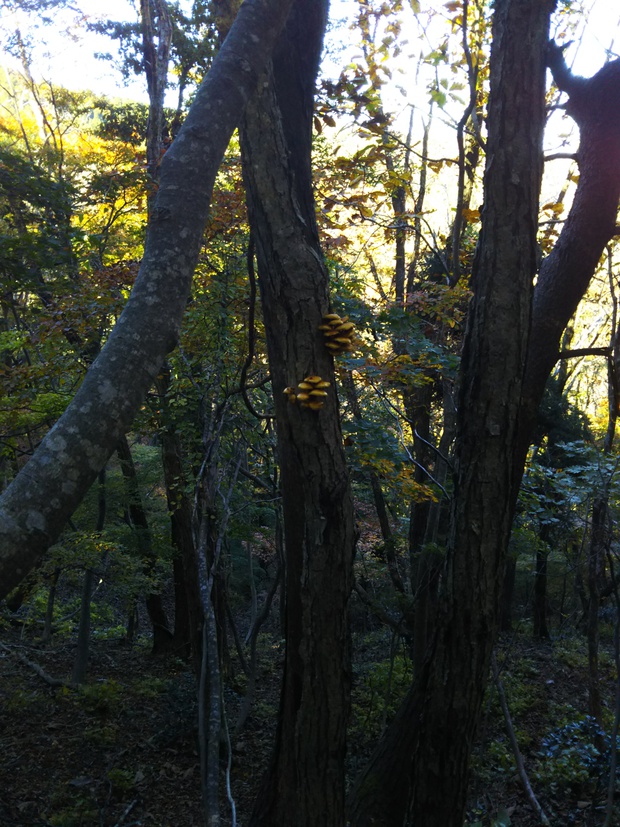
{"x":508,"y":590}
{"x":138,"y":520}
{"x":187,"y":608}
{"x":565,"y":273}
{"x":418,"y":773}
{"x":80,"y":662}
{"x":156,"y":40}
{"x":562,"y":280}
{"x":305,"y":781}
{"x":541,"y":629}
{"x":36,"y":506}
{"x":600,"y":530}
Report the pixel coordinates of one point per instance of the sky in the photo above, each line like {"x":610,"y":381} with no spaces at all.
{"x":69,"y":58}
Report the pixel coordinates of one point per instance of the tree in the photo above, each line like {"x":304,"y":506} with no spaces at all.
{"x":36,"y":506}
{"x":411,"y":772}
{"x":418,"y":773}
{"x":307,"y":771}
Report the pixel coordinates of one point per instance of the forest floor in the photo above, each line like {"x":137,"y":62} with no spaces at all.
{"x":121,"y":751}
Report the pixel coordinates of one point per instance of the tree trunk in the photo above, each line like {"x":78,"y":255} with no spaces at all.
{"x":600,"y":538}
{"x":138,"y":521}
{"x":566,"y":272}
{"x":418,"y":773}
{"x":541,"y":630}
{"x":596,"y":561}
{"x":48,"y":627}
{"x":562,"y":280}
{"x":508,"y":591}
{"x":156,"y":39}
{"x":305,"y":781}
{"x":37,"y":504}
{"x":387,"y":535}
{"x":187,"y":608}
{"x":80,"y":663}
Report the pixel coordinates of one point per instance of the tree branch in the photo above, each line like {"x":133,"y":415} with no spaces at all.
{"x":578,"y":352}
{"x":515,"y":745}
{"x":35,"y":667}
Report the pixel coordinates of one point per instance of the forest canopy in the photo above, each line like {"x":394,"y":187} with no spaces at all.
{"x":309,"y":381}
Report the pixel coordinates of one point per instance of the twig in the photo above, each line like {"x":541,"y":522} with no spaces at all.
{"x":515,"y":746}
{"x":248,"y":700}
{"x":128,"y":809}
{"x":35,"y":667}
{"x":251,"y":335}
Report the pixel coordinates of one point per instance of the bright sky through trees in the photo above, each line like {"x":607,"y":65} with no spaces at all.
{"x":68,"y":57}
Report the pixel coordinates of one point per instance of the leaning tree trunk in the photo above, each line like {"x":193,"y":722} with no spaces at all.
{"x":36,"y":506}
{"x":418,"y":774}
{"x":565,"y":273}
{"x":305,"y":781}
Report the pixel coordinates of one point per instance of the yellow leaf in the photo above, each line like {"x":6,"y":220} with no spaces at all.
{"x":470,"y":215}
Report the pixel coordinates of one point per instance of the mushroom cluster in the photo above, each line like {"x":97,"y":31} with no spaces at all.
{"x":339,"y":333}
{"x":310,"y":393}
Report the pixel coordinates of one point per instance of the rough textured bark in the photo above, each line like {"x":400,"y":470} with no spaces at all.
{"x":305,"y":781}
{"x":418,"y":773}
{"x":34,"y":509}
{"x":562,"y":280}
{"x":565,"y":273}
